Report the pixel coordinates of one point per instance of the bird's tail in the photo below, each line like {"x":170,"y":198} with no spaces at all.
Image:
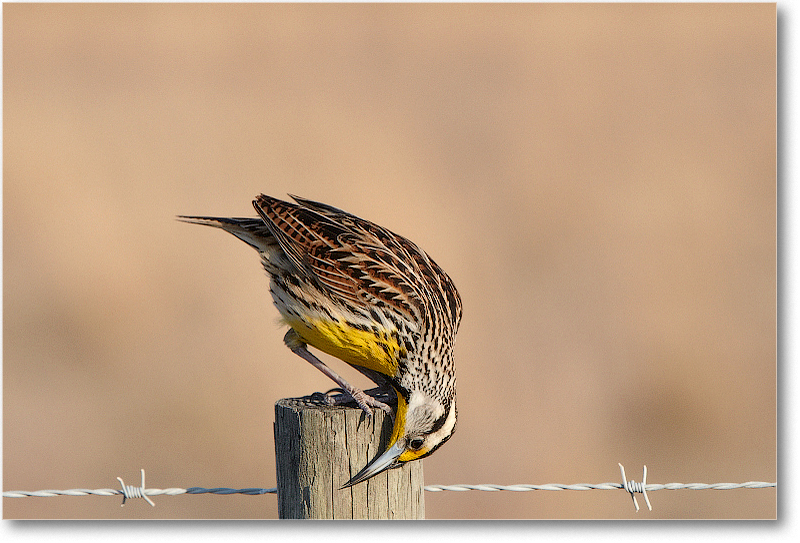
{"x":252,"y":231}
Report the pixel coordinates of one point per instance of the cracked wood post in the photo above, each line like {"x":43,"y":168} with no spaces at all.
{"x":319,"y":447}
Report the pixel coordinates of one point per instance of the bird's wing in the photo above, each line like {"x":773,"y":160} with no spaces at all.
{"x":419,"y":274}
{"x":355,"y":260}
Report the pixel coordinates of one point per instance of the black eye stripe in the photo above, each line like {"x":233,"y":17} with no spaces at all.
{"x":439,"y":422}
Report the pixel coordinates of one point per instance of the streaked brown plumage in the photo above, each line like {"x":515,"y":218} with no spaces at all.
{"x":369,"y":297}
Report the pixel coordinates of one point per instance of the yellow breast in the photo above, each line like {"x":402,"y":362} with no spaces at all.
{"x":378,"y":352}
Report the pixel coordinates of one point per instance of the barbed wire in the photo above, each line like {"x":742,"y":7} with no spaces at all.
{"x":129,"y":491}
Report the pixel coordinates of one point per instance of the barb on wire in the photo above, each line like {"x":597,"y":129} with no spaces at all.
{"x":632,"y":487}
{"x":130,"y":491}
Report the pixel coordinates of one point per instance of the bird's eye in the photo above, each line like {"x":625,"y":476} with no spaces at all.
{"x":416,"y":443}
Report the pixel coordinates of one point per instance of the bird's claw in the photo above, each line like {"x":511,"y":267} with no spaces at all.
{"x":361,"y":398}
{"x":322,"y":398}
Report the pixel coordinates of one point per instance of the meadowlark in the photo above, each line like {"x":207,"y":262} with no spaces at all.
{"x":370,"y":297}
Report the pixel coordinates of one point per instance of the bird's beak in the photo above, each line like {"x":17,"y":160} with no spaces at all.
{"x":385,"y":461}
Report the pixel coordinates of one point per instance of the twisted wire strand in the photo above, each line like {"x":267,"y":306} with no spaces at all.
{"x":429,"y":488}
{"x":632,"y":487}
{"x":600,"y":486}
{"x":90,"y":492}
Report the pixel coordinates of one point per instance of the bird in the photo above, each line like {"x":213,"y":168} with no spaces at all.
{"x":375,"y":300}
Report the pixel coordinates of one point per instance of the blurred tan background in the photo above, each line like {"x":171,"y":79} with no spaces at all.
{"x":598,"y":180}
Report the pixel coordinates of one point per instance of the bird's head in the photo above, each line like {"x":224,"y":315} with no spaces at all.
{"x":421,"y":425}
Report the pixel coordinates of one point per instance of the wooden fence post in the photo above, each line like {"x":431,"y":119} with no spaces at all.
{"x":319,"y":447}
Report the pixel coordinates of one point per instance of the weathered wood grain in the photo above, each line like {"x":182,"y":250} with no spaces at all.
{"x":319,"y":448}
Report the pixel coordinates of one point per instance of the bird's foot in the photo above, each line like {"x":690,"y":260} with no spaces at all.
{"x":363,"y":399}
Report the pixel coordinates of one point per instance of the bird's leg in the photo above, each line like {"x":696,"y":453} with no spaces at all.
{"x":339,"y":396}
{"x":384,"y":392}
{"x":384,"y":387}
{"x":364,"y":401}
